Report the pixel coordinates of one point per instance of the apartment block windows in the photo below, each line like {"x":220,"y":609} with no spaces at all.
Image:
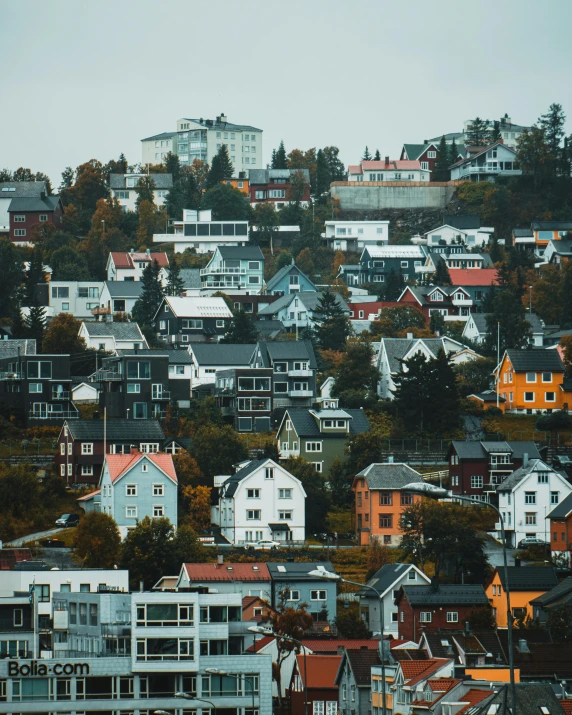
{"x":385,"y":521}
{"x":253,"y":514}
{"x":385,"y":498}
{"x":529,"y":396}
{"x":138,"y":370}
{"x":158,"y":511}
{"x":60,"y":292}
{"x":546,"y":377}
{"x":531,"y":377}
{"x":554,"y":497}
{"x":476,"y":481}
{"x":530,"y":518}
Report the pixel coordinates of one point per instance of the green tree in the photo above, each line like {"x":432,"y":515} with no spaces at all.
{"x":377,"y":156}
{"x":356,"y":371}
{"x":495,"y":133}
{"x":339,"y":484}
{"x":97,"y":542}
{"x":89,"y":186}
{"x":332,"y":325}
{"x":145,"y":191}
{"x":185,"y":194}
{"x":442,"y":275}
{"x":323,"y":178}
{"x":221,"y":168}
{"x":67,"y":179}
{"x":478,"y":132}
{"x":217,"y":449}
{"x":393,"y":286}
{"x":226,"y":203}
{"x":350,"y":624}
{"x":366,"y":155}
{"x":175,"y":284}
{"x":560,"y":623}
{"x":444,"y":395}
{"x":453,"y":152}
{"x":173,"y":166}
{"x":317,"y":496}
{"x":62,"y":337}
{"x":393,"y":322}
{"x":280,"y":161}
{"x":34,"y":275}
{"x":336,"y":166}
{"x":241,"y":329}
{"x":508,"y":311}
{"x":266,"y":220}
{"x":12,"y":279}
{"x":69,"y":265}
{"x":552,"y":125}
{"x":441,"y":172}
{"x":150,"y":297}
{"x":35,"y":325}
{"x":533,"y":153}
{"x":474,"y":376}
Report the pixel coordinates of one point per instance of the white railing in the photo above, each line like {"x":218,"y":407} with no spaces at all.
{"x":219,"y":271}
{"x":287,"y":453}
{"x":301,"y":393}
{"x":300,"y":373}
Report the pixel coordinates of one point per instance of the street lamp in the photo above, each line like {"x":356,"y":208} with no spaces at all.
{"x":186,"y":696}
{"x":329,"y":576}
{"x":218,"y":671}
{"x":434,"y":492}
{"x":270,"y":632}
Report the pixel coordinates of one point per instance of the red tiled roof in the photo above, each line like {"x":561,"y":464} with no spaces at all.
{"x":416,"y":670}
{"x":331,"y":645}
{"x":118,"y":464}
{"x":472,"y":697}
{"x":264,"y":641}
{"x":473,"y":276}
{"x":249,"y":600}
{"x":566,"y":706}
{"x":227,"y":572}
{"x":89,"y":496}
{"x":440,"y":687}
{"x":321,"y":670}
{"x":125,"y":260}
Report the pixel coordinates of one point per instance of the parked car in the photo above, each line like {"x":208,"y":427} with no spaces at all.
{"x":66,"y":520}
{"x":267,"y":544}
{"x":530,"y":541}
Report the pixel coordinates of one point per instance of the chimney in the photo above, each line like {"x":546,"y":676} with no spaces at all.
{"x":525,"y":459}
{"x":390,"y":459}
{"x":148,"y":251}
{"x":133,"y":450}
{"x":516,"y":562}
{"x":219,"y":560}
{"x":409,"y":336}
{"x":141,"y":586}
{"x":222,"y":117}
{"x":386,"y":161}
{"x":467,"y":628}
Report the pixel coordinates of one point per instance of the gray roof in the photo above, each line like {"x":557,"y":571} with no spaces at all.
{"x":284,"y":271}
{"x":306,"y":424}
{"x":534,"y":465}
{"x":298,"y":570}
{"x":462,"y":221}
{"x":397,"y":348}
{"x":446,"y":594}
{"x":246,"y":253}
{"x":530,"y":699}
{"x":562,"y":510}
{"x":232,"y":482}
{"x":163,"y":135}
{"x":563,"y":246}
{"x":120,"y":331}
{"x":122,"y":429}
{"x":310,"y":299}
{"x":124,"y":289}
{"x":480,"y":321}
{"x":222,"y":353}
{"x":265,"y":176}
{"x":9,"y":348}
{"x":179,"y":357}
{"x":191,"y":277}
{"x":414,"y":151}
{"x":162,"y":181}
{"x":389,"y":476}
{"x":551,"y":225}
{"x":556,"y":593}
{"x":287,"y":350}
{"x":222,"y":125}
{"x":385,"y":578}
{"x":535,"y":360}
{"x":37,"y":203}
{"x":22,"y":189}
{"x":522,"y":232}
{"x":269,"y":328}
{"x":529,"y":578}
{"x":471,"y":449}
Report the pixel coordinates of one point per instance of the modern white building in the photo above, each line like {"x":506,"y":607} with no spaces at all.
{"x":261,"y":501}
{"x":198,"y":231}
{"x":527,"y":497}
{"x":123,"y":188}
{"x":119,"y":296}
{"x":486,"y":164}
{"x":354,"y":235}
{"x":463,"y":230}
{"x":388,"y":170}
{"x":79,"y":298}
{"x":202,"y":138}
{"x":110,"y":337}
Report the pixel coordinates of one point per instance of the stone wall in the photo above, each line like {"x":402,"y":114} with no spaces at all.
{"x":366,"y":195}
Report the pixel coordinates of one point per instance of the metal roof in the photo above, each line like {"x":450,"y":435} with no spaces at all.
{"x":124,"y":289}
{"x":22,"y":189}
{"x":393,"y":475}
{"x":119,"y":181}
{"x":529,"y":578}
{"x":197,"y":307}
{"x":285,"y":271}
{"x":535,"y":360}
{"x":120,"y":331}
{"x":35,"y":204}
{"x":246,"y":253}
{"x":306,"y":425}
{"x":117,"y":429}
{"x":446,"y":594}
{"x":225,"y":354}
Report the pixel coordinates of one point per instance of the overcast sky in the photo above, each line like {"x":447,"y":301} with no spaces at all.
{"x":86,"y":80}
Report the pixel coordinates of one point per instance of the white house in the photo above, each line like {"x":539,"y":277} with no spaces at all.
{"x":79,"y":298}
{"x":110,"y":336}
{"x":119,"y":296}
{"x":388,"y":170}
{"x":462,"y":229}
{"x":133,"y":486}
{"x":353,"y":235}
{"x":198,"y":231}
{"x":207,"y":358}
{"x":130,"y":266}
{"x":123,"y":188}
{"x":297,"y":310}
{"x":85,"y":393}
{"x":261,"y":501}
{"x":527,"y":497}
{"x":486,"y":163}
{"x":476,"y":329}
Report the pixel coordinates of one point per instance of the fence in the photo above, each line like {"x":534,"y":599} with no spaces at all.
{"x":23,"y":447}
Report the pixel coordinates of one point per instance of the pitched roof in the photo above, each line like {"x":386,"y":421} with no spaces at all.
{"x":124,"y":289}
{"x":318,"y":671}
{"x":415,"y":671}
{"x":126,"y":260}
{"x":117,"y":429}
{"x":389,"y":476}
{"x":284,"y":271}
{"x":473,"y":277}
{"x":33,"y":204}
{"x":120,"y":331}
{"x":199,"y":573}
{"x":249,"y":468}
{"x":414,"y":151}
{"x":556,"y":593}
{"x":473,"y":449}
{"x":298,"y":570}
{"x":473,"y":697}
{"x":529,"y":578}
{"x":310,"y":299}
{"x":397,"y":348}
{"x":163,"y":135}
{"x":535,"y":360}
{"x":246,"y":253}
{"x":306,"y":424}
{"x":551,"y":225}
{"x":119,"y":181}
{"x":386,"y":577}
{"x":361,"y":662}
{"x":15,"y":347}
{"x":395,"y":251}
{"x":331,"y":645}
{"x":22,"y":189}
{"x":222,"y":354}
{"x":178,"y":357}
{"x":286,"y":350}
{"x":197,"y":307}
{"x":462,"y":221}
{"x":191,"y":277}
{"x":120,"y":464}
{"x":446,"y":594}
{"x":530,"y":699}
{"x":393,"y":164}
{"x":562,"y":510}
{"x":514,"y":479}
{"x":265,"y":176}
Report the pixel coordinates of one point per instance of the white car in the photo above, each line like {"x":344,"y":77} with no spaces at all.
{"x":266,"y":544}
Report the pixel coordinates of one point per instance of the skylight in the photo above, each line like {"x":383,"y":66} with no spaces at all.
{"x":281,"y":568}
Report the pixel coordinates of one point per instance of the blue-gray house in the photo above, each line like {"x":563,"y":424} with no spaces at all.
{"x":289,"y":279}
{"x":293,"y":584}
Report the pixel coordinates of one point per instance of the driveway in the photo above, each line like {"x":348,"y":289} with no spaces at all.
{"x":493,"y":550}
{"x":33,"y":537}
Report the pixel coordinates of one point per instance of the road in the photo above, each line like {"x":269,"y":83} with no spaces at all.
{"x":494,"y":551}
{"x":33,"y":537}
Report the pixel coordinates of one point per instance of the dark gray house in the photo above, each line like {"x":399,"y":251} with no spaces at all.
{"x":294,"y":366}
{"x":354,"y":681}
{"x":192,"y":319}
{"x":244,"y":396}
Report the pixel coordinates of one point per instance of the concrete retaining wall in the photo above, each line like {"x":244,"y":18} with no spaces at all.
{"x":363,"y":195}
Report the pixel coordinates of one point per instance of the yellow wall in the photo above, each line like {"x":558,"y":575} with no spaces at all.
{"x":492,"y":675}
{"x":518,"y":599}
{"x":515,"y":384}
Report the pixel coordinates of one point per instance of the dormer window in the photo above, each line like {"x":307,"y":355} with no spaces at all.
{"x":437,"y":296}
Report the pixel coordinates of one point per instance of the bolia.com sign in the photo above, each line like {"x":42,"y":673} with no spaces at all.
{"x":34,"y":668}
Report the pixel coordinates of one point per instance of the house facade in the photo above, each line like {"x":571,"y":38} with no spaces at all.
{"x":380,"y":501}
{"x":377,"y":262}
{"x":123,"y":187}
{"x":314,"y":676}
{"x":80,"y":298}
{"x":318,"y":435}
{"x":355,"y":235}
{"x":262,"y":501}
{"x":245,"y":396}
{"x":452,"y":303}
{"x":561,"y":529}
{"x":80,"y":448}
{"x":486,"y":163}
{"x":388,"y":170}
{"x":289,"y":279}
{"x":298,"y":310}
{"x":199,"y":232}
{"x":110,"y":337}
{"x":354,"y":681}
{"x":188,"y":319}
{"x":526,"y":583}
{"x":294,"y":366}
{"x":118,"y":297}
{"x":238,"y":269}
{"x":28,"y":213}
{"x":293,"y":583}
{"x":130,"y":266}
{"x":274,"y":186}
{"x":248,"y":580}
{"x":426,"y":154}
{"x":527,"y":496}
{"x":543,"y":232}
{"x":10,"y":190}
{"x":208,"y":358}
{"x":533,"y":381}
{"x":135,"y":485}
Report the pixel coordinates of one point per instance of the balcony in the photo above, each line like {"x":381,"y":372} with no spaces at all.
{"x":289,"y":453}
{"x":222,"y":271}
{"x":115,"y":630}
{"x":228,"y":411}
{"x":463,"y":302}
{"x":164,"y":395}
{"x":489,"y":169}
{"x":101,"y":311}
{"x":53,"y":415}
{"x":11,"y":376}
{"x":301,"y":393}
{"x":300,"y":373}
{"x":107,"y":375}
{"x":225,"y":391}
{"x":61,"y":395}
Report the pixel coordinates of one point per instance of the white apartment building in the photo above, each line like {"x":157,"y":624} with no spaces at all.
{"x":202,"y":138}
{"x":76,"y":297}
{"x":261,"y":501}
{"x":354,"y":235}
{"x":197,"y":230}
{"x":123,"y":188}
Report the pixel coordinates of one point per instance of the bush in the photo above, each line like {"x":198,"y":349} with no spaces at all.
{"x":556,"y":421}
{"x":494,"y":411}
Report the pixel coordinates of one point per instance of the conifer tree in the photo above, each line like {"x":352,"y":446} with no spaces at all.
{"x":35,"y":325}
{"x":333,"y":326}
{"x":442,"y":275}
{"x":280,"y":160}
{"x":145,"y":190}
{"x":241,"y":330}
{"x":394,"y":285}
{"x":323,"y":179}
{"x":366,"y":155}
{"x":184,"y":195}
{"x":175,"y":284}
{"x":478,"y":132}
{"x":453,"y":153}
{"x":150,"y":297}
{"x":34,"y":275}
{"x":173,"y":165}
{"x":441,"y":172}
{"x":221,"y":168}
{"x":495,"y":133}
{"x":552,"y":124}
{"x":377,"y":156}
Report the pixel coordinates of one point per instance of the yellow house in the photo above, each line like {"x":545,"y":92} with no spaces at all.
{"x":526,"y":583}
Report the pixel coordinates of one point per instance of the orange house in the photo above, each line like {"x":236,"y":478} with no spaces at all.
{"x":561,"y":528}
{"x":526,"y":583}
{"x":545,"y":231}
{"x":380,"y":500}
{"x":242,"y":184}
{"x":532,"y":381}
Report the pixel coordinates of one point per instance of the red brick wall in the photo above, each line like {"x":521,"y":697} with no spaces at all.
{"x":411,"y":627}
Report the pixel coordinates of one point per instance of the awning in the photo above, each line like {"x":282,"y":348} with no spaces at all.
{"x":279,"y":527}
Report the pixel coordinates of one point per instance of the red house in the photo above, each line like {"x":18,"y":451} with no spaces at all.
{"x":446,"y":300}
{"x":426,"y":154}
{"x":362,"y":311}
{"x":318,"y":674}
{"x":437,"y":606}
{"x":275,"y":186}
{"x":25,"y":213}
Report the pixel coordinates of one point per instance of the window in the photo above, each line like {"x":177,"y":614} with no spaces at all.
{"x":131,"y":490}
{"x":313,"y":446}
{"x":530,"y":518}
{"x":131,"y":512}
{"x":87,"y":448}
{"x":192,"y":324}
{"x":385,"y":521}
{"x":37,"y":387}
{"x":425,"y":616}
{"x":19,"y":232}
{"x":543,"y":477}
{"x":253,"y":493}
{"x":269,"y":473}
{"x":530,"y":497}
{"x":40,"y":369}
{"x":140,"y":410}
{"x":554,"y":497}
{"x":546,"y":377}
{"x":158,"y":511}
{"x":385,"y":498}
{"x":220,"y":323}
{"x":452,"y":617}
{"x":158,"y":490}
{"x":425,"y":165}
{"x":431,"y":154}
{"x":406,"y":499}
{"x":318,"y":595}
{"x":476,"y":481}
{"x":285,"y":515}
{"x":531,"y":377}
{"x":550,"y":396}
{"x":253,"y":514}
{"x":285,"y":494}
{"x":19,"y":219}
{"x":87,"y":470}
{"x":138,"y":370}
{"x":529,"y":396}
{"x":60,"y":292}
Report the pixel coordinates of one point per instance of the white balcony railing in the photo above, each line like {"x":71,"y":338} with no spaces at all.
{"x":222,"y":271}
{"x":289,"y":453}
{"x":300,"y":373}
{"x":301,"y":393}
